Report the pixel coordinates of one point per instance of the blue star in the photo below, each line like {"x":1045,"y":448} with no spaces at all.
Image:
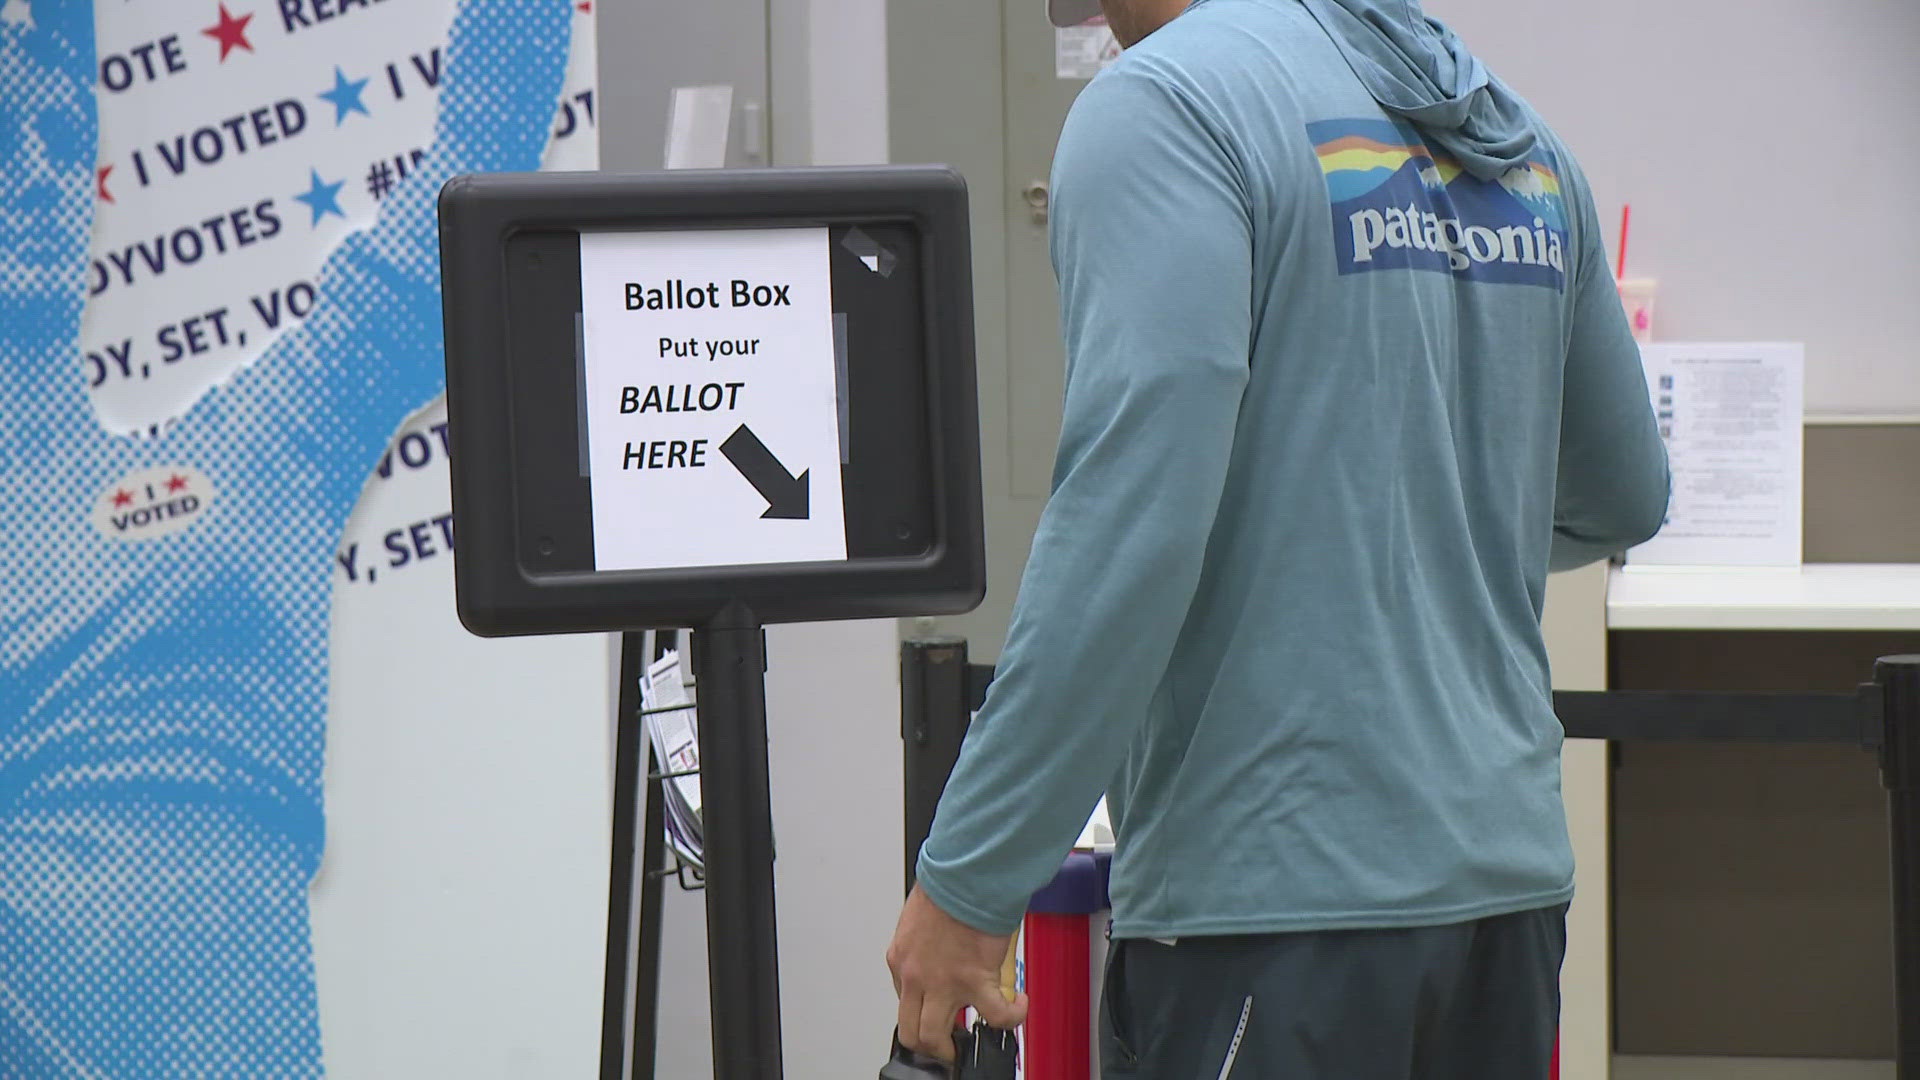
{"x":345,"y":97}
{"x":322,"y":198}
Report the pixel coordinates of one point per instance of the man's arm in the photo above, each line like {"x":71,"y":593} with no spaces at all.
{"x":1152,"y":246}
{"x":1613,"y":483}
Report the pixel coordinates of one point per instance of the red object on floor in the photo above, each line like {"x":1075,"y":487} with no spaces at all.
{"x":1060,"y":997}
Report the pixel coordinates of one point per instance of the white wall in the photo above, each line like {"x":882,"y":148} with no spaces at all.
{"x":459,"y":915}
{"x":833,"y":700}
{"x":1766,"y":147}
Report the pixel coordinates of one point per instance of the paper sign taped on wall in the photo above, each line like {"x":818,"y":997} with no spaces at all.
{"x":699,"y":119}
{"x":1081,"y":52}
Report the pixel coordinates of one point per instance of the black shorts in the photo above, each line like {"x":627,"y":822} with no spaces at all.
{"x":1470,"y":1001}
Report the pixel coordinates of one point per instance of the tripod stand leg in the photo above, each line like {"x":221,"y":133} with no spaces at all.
{"x":625,"y":993}
{"x":646,"y":976}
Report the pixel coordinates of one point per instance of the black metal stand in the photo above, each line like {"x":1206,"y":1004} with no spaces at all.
{"x":730,"y":664}
{"x":729,"y":658}
{"x":939,"y":690}
{"x":630,"y":1016}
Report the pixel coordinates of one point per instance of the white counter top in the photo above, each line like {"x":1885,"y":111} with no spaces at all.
{"x":1829,"y":596}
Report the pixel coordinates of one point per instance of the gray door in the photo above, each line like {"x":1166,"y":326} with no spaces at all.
{"x":647,"y":49}
{"x":973,"y":86}
{"x":1037,"y":103}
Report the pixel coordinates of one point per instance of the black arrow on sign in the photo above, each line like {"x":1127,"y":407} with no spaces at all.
{"x":785,"y":493}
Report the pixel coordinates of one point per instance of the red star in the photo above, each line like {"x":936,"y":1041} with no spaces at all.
{"x":586,"y":6}
{"x":100,"y":182}
{"x":176,"y":482}
{"x":230,"y":32}
{"x":122,"y":497}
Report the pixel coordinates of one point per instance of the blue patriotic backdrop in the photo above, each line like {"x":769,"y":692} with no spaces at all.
{"x":162,"y":701}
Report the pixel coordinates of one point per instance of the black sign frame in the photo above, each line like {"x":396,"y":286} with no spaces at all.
{"x":501,"y":589}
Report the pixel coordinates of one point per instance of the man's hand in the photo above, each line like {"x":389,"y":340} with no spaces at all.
{"x":941,"y":965}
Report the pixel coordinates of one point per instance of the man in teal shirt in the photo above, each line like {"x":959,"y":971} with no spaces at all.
{"x":1347,"y":375}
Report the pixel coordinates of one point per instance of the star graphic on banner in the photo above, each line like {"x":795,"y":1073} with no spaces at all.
{"x":122,"y":497}
{"x":585,"y":6}
{"x":100,"y":182}
{"x":345,"y":97}
{"x":321,"y":197}
{"x":175,"y":482}
{"x":17,"y":13}
{"x":230,"y":32}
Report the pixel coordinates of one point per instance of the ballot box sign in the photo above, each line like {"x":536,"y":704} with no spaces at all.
{"x":711,"y":398}
{"x":683,"y":395}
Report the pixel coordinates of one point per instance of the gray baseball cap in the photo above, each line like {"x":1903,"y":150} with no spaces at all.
{"x":1071,"y":12}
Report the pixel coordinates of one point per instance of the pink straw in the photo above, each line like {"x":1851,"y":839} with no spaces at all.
{"x":1626,"y":220}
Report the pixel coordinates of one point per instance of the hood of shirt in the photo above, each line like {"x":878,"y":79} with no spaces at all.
{"x":1418,"y":69}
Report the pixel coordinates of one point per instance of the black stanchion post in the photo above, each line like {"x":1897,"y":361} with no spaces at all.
{"x":1899,"y":679}
{"x":729,"y":666}
{"x":933,"y":721}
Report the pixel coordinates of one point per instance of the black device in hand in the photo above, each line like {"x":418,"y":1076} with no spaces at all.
{"x":984,"y":1053}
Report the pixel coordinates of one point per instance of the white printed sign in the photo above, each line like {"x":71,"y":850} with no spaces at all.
{"x":699,"y":119}
{"x":1732,"y":417}
{"x":713,"y":427}
{"x":1081,"y":52}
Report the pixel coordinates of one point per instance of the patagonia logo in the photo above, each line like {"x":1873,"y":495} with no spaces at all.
{"x":1401,"y":205}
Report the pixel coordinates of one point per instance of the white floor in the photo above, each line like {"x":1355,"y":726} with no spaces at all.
{"x":1706,"y":1068}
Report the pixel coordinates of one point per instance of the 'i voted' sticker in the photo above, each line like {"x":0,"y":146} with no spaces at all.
{"x":153,"y":503}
